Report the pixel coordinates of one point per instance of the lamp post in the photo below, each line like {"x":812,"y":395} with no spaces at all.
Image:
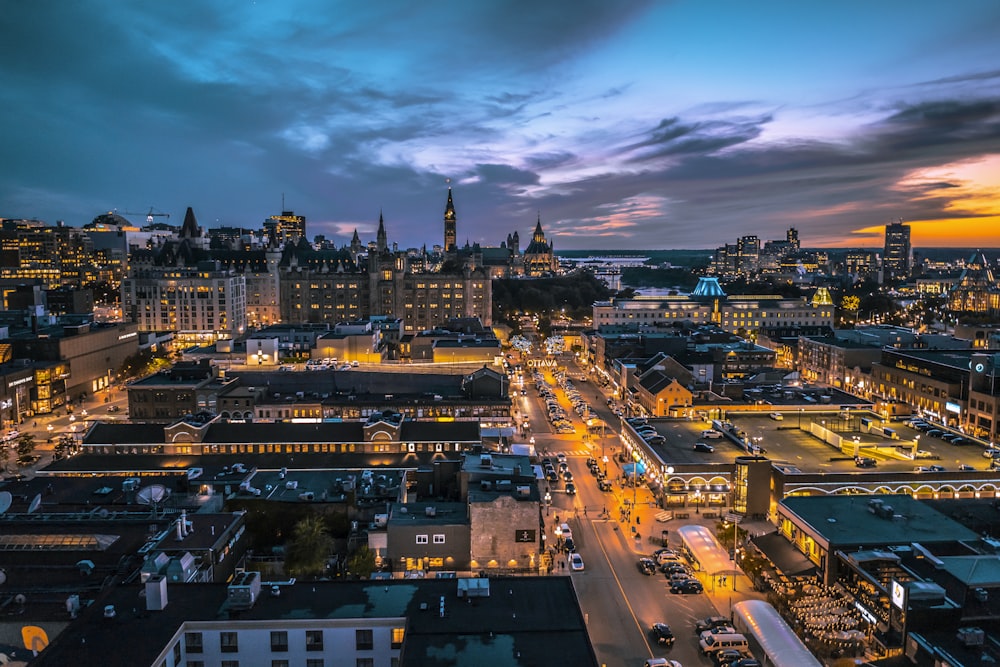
{"x":605,"y":459}
{"x":548,"y":502}
{"x":697,"y":501}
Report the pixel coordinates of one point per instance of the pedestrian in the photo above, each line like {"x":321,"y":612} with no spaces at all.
{"x":637,"y":519}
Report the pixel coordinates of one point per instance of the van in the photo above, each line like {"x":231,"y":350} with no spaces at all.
{"x":716,"y":642}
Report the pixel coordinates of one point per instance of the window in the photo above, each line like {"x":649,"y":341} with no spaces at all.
{"x":279,"y":663}
{"x":279,"y":641}
{"x":314,"y":640}
{"x":439,"y":539}
{"x":421,"y":539}
{"x":230,"y":663}
{"x":229,"y":642}
{"x":314,"y":662}
{"x":363,"y":640}
{"x":193,"y":642}
{"x":365,"y":662}
{"x":194,"y":663}
{"x":397,"y":637}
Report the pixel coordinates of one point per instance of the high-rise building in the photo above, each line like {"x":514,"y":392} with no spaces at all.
{"x":896,"y":258}
{"x":286,"y":227}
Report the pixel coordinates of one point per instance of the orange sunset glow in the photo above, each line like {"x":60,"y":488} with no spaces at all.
{"x":969,"y":189}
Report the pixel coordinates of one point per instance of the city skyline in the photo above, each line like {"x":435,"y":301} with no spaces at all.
{"x":621,"y":128}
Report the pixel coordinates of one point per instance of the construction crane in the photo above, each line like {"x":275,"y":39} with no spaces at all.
{"x":150,"y":215}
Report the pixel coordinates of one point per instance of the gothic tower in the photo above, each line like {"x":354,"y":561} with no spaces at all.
{"x":450,"y":231}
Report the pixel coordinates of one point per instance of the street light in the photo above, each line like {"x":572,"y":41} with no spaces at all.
{"x":548,"y":502}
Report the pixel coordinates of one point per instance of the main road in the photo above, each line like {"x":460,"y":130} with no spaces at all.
{"x":619,"y":602}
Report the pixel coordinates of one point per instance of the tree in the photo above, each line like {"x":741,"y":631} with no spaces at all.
{"x":307,"y":552}
{"x":25,"y":448}
{"x":362,"y":562}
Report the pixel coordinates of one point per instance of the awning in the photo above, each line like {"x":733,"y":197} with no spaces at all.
{"x":787,"y":560}
{"x":634,"y":468}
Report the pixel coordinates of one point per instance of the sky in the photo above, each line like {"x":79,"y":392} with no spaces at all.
{"x":620,"y":125}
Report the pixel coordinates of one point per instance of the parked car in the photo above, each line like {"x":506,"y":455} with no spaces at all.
{"x":865,"y":462}
{"x":662,"y":634}
{"x":576,"y":562}
{"x":686,"y":587}
{"x":661,"y":662}
{"x":646,"y":566}
{"x":568,"y":545}
{"x":703,"y":624}
{"x":935,"y":432}
{"x":711,"y":433}
{"x":703,"y":447}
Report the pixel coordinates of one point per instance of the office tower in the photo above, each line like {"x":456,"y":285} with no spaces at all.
{"x":896,"y":256}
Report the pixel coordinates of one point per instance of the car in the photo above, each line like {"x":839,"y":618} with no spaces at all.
{"x":959,"y":441}
{"x":661,"y":662}
{"x":865,"y":462}
{"x":561,"y":457}
{"x":711,"y":433}
{"x":646,"y":566}
{"x":662,"y":634}
{"x":662,"y":556}
{"x":703,"y":624}
{"x":569,"y":546}
{"x":552,"y":476}
{"x":991,"y":453}
{"x":776,"y":416}
{"x":966,"y":467}
{"x":936,"y":468}
{"x":935,"y":433}
{"x":113,"y":408}
{"x":576,"y":562}
{"x":604,"y":486}
{"x":949,"y":437}
{"x":675,"y":567}
{"x":703,"y":447}
{"x":567,"y":476}
{"x":591,"y":461}
{"x":689,"y":586}
{"x":726,"y":656}
{"x":745,"y":662}
{"x":570,"y":488}
{"x":718,"y":630}
{"x":655,"y":439}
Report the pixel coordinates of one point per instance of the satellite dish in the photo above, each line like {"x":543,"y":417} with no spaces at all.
{"x":151,"y":495}
{"x":36,"y":502}
{"x":5,"y":500}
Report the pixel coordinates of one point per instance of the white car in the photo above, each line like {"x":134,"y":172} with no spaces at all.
{"x":575,"y":562}
{"x":776,"y":416}
{"x":661,"y":662}
{"x":711,"y":433}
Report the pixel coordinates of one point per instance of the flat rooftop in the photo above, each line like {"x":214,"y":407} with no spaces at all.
{"x":524,"y":621}
{"x":846,"y":521}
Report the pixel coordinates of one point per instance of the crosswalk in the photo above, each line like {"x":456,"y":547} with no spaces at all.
{"x":584,"y":452}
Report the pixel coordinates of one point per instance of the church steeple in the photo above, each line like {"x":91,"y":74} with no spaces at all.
{"x":381,"y":242}
{"x":450,"y":230}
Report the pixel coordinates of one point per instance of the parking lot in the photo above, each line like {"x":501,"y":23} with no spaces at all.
{"x":789,"y":441}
